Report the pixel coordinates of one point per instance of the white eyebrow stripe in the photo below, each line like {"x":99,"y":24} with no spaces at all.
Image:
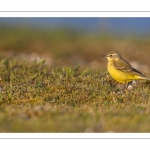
{"x":113,"y":54}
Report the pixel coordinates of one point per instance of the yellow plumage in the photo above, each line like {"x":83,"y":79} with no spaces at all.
{"x":121,"y":70}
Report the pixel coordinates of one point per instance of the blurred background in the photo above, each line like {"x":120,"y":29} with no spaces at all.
{"x":76,"y":41}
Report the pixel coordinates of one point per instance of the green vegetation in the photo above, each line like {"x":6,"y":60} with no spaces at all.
{"x":67,"y":95}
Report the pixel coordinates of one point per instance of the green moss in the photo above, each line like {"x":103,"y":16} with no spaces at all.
{"x":39,"y":98}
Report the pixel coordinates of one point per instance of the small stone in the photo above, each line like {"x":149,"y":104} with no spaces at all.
{"x":130,"y":87}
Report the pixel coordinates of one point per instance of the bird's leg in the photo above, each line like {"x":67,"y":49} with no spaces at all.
{"x":126,"y":86}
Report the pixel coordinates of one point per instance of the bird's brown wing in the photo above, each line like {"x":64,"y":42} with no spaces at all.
{"x":126,"y":67}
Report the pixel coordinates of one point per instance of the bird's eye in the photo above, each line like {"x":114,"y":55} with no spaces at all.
{"x":110,"y":55}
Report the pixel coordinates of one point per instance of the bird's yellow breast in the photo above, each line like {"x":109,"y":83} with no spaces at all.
{"x":118,"y":75}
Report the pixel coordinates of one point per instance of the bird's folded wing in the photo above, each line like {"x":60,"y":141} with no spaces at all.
{"x":124,"y":66}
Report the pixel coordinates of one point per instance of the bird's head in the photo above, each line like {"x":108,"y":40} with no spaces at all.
{"x":113,"y":55}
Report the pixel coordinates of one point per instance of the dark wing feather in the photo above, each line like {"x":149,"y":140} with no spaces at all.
{"x":125,"y":66}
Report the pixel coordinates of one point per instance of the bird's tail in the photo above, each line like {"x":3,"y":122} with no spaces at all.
{"x":145,"y":78}
{"x":148,"y":79}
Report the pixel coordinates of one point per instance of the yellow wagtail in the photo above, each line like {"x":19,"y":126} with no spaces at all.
{"x":121,"y":70}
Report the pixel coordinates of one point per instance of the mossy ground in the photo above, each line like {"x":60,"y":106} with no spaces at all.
{"x":37,"y":98}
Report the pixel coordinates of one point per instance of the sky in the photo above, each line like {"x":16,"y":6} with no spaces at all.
{"x":139,"y":26}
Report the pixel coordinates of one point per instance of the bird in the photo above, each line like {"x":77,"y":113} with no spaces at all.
{"x":121,"y":70}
